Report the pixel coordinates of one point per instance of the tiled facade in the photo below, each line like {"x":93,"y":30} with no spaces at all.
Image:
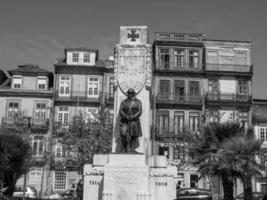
{"x":197,"y":80}
{"x":82,"y":84}
{"x":260,"y":130}
{"x":194,"y":80}
{"x":28,"y":95}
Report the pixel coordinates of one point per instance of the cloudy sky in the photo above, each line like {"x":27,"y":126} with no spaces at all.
{"x":37,"y":31}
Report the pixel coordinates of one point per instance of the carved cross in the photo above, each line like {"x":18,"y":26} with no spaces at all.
{"x":133,"y":35}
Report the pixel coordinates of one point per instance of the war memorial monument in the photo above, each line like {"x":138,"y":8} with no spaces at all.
{"x":131,"y":172}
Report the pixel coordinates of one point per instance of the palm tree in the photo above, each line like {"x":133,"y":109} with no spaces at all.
{"x":240,"y":152}
{"x":209,"y":159}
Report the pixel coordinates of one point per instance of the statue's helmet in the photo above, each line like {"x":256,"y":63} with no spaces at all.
{"x":130,"y":91}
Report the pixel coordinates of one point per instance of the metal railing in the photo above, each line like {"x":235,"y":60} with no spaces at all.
{"x":175,"y":98}
{"x":228,"y":97}
{"x":228,"y":67}
{"x":79,"y":96}
{"x":173,"y":66}
{"x":32,"y":123}
{"x":193,"y":37}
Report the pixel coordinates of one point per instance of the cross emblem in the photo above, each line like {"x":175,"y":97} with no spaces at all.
{"x":133,"y":35}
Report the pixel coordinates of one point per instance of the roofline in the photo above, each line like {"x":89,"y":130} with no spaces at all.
{"x":260,"y":100}
{"x":202,"y":34}
{"x":81,"y":49}
{"x":219,"y":40}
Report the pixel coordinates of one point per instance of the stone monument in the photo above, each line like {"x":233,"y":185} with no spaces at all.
{"x":132,"y":174}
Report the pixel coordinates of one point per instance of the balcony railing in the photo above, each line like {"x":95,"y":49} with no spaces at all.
{"x":228,"y":97}
{"x":26,"y":122}
{"x":82,"y":96}
{"x":173,"y":66}
{"x":39,"y":124}
{"x":16,"y":123}
{"x":228,"y":67}
{"x":193,"y":37}
{"x":175,"y":98}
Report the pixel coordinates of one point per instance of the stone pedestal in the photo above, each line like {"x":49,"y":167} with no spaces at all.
{"x":129,"y":176}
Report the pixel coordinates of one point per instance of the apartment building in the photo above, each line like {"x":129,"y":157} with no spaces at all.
{"x":260,"y":130}
{"x":228,"y":80}
{"x":196,"y":80}
{"x":82,"y":84}
{"x":27,"y":95}
{"x":178,"y":98}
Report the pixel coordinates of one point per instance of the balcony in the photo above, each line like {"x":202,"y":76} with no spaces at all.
{"x":17,"y":124}
{"x":218,"y":98}
{"x":8,"y":91}
{"x":229,"y":68}
{"x":174,"y":67}
{"x":38,"y":124}
{"x":109,"y":98}
{"x":79,"y":96}
{"x":174,"y":99}
{"x":189,"y":37}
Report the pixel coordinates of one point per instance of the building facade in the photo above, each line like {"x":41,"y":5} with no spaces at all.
{"x":194,"y":80}
{"x":82,"y":84}
{"x":27,"y":97}
{"x":260,"y":130}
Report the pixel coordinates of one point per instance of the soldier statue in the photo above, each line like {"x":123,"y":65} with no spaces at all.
{"x":130,"y":127}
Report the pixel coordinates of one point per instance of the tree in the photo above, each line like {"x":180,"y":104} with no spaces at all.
{"x":208,"y":158}
{"x":240,"y":152}
{"x":15,"y":154}
{"x":84,"y":138}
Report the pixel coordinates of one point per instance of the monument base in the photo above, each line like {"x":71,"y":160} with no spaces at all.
{"x":129,"y":176}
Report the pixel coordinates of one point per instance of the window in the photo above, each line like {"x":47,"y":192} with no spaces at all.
{"x":179,"y":152}
{"x":35,"y":176}
{"x":40,"y":111}
{"x":212,"y":57}
{"x":63,"y":115}
{"x":193,"y":181}
{"x":194,"y":90}
{"x":178,"y":122}
{"x":60,"y":180}
{"x":59,"y":150}
{"x":86,"y":57}
{"x":179,"y":90}
{"x":164,"y":151}
{"x":164,"y":58}
{"x":64,"y":86}
{"x":91,"y":114}
{"x":193,"y":121}
{"x":41,"y":83}
{"x":75,"y":57}
{"x":164,"y":89}
{"x":263,"y":134}
{"x":93,"y":87}
{"x":193,"y":59}
{"x":243,"y":118}
{"x":38,"y":145}
{"x":17,"y":82}
{"x":13,"y":109}
{"x":243,"y":87}
{"x":213,"y":86}
{"x":178,"y":58}
{"x":111,"y":87}
{"x":164,"y":123}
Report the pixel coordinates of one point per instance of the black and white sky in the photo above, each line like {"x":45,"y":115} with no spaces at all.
{"x":37,"y":31}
